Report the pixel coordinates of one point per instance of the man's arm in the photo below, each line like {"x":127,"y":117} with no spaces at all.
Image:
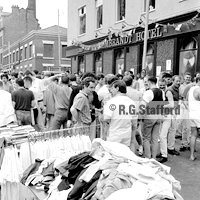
{"x":74,"y":113}
{"x":13,"y":103}
{"x":170,"y":100}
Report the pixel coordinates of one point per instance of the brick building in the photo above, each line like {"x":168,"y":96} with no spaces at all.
{"x":107,"y":36}
{"x":44,"y":50}
{"x":16,"y":24}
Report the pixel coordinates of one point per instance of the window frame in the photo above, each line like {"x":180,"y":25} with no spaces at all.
{"x":118,"y":16}
{"x":52,"y":53}
{"x":83,"y":15}
{"x":97,"y":7}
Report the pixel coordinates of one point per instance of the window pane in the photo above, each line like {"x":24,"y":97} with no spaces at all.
{"x":98,"y":63}
{"x":64,"y":51}
{"x":48,"y":50}
{"x":30,"y":50}
{"x":100,"y":16}
{"x":187,"y":62}
{"x":82,"y":18}
{"x":119,"y":61}
{"x":81,"y":64}
{"x":121,"y":9}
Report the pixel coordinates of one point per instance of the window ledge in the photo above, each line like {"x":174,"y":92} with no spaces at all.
{"x":48,"y":58}
{"x":151,"y":11}
{"x":99,"y":29}
{"x":66,"y":59}
{"x":181,"y":1}
{"x":81,"y":35}
{"x":120,"y":21}
{"x":30,"y":58}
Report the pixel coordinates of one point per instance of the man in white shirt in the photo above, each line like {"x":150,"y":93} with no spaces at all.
{"x":120,"y":114}
{"x":7,"y":113}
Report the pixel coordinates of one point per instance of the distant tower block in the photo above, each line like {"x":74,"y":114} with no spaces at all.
{"x":32,"y":6}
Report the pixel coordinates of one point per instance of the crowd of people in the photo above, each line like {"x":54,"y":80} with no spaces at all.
{"x":117,"y":103}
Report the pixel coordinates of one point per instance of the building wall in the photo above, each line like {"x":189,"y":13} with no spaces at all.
{"x":134,"y":10}
{"x":74,"y":64}
{"x":18,"y":24}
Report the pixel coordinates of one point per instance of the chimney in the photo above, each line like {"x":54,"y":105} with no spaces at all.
{"x":32,"y":6}
{"x":15,"y":9}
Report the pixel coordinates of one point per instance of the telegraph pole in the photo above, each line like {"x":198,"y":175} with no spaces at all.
{"x":145,"y":35}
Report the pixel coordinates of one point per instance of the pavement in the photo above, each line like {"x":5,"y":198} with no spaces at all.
{"x":187,"y":172}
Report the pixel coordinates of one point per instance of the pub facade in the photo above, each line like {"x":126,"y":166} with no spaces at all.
{"x":173,"y":45}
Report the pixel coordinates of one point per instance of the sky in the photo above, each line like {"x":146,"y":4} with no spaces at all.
{"x":46,"y":10}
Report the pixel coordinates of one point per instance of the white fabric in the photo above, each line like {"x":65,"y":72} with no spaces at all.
{"x":120,"y":126}
{"x":148,"y":96}
{"x":11,"y":169}
{"x":194,"y":105}
{"x":7,"y":113}
{"x":104,"y":94}
{"x":58,"y":150}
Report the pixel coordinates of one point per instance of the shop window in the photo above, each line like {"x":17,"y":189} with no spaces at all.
{"x":64,"y":51}
{"x":48,"y":51}
{"x":99,"y":13}
{"x":10,"y":58}
{"x":121,"y":9}
{"x":119,"y":60}
{"x":152,"y":5}
{"x":187,"y":55}
{"x":82,"y":20}
{"x":98,"y":63}
{"x":150,"y":60}
{"x":81,"y":64}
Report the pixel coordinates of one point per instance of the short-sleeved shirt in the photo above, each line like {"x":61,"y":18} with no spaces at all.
{"x":61,"y":95}
{"x":120,"y":127}
{"x":23,"y":99}
{"x":82,"y":105}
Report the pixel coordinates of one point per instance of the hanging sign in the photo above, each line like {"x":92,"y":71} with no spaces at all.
{"x":123,"y":39}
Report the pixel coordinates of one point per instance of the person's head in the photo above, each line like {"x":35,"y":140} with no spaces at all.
{"x":176,"y":80}
{"x":28,"y":73}
{"x":143,"y":73}
{"x":27,"y":82}
{"x":65,"y":80}
{"x":168,"y":78}
{"x":128,"y":80}
{"x":161,"y":84}
{"x":119,"y":76}
{"x":152,"y":81}
{"x":88,"y":85}
{"x":88,"y":74}
{"x":126,"y":73}
{"x":111,"y":80}
{"x":20,"y":82}
{"x":20,"y":74}
{"x":100,"y":78}
{"x":72,"y":78}
{"x":197,"y":80}
{"x":14,"y":76}
{"x":116,"y":87}
{"x":197,"y":74}
{"x":56,"y":80}
{"x":4,"y":78}
{"x":137,"y":76}
{"x":108,"y":77}
{"x":187,"y":77}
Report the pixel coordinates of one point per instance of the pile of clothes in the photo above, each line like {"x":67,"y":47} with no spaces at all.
{"x":110,"y":171}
